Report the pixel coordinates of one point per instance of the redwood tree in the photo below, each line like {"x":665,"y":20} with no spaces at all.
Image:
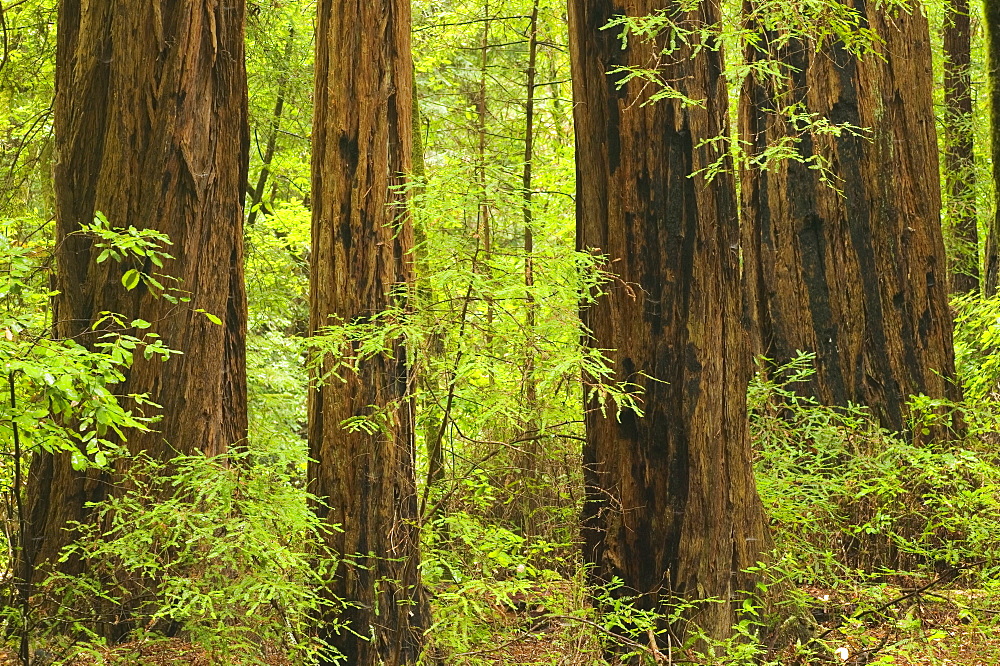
{"x":671,"y":507}
{"x":362,"y":240}
{"x":151,"y":130}
{"x":851,"y":268}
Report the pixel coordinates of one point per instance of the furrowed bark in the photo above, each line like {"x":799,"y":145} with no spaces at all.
{"x":361,"y":253}
{"x":852,"y":269}
{"x":151,"y":130}
{"x":672,"y":508}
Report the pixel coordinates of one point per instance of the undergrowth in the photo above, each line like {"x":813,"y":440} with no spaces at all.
{"x":870,"y":529}
{"x":222,"y":551}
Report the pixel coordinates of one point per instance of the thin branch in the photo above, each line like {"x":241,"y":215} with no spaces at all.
{"x":946,"y":576}
{"x":6,"y":40}
{"x":471,"y":22}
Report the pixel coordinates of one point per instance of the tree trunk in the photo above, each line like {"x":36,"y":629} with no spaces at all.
{"x":991,"y":270}
{"x":484,"y":221}
{"x":959,"y":160}
{"x":528,"y":500}
{"x":361,"y":255}
{"x":151,"y":130}
{"x":852,"y":269}
{"x":672,"y":508}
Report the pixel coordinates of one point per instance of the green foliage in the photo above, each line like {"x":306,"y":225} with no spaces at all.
{"x":977,"y":340}
{"x":279,"y":62}
{"x":223,"y":551}
{"x":482,"y":577}
{"x":498,"y":355}
{"x":976,"y":176}
{"x":671,"y":633}
{"x":852,"y":502}
{"x":61,"y":392}
{"x":277,"y":278}
{"x":27,"y":65}
{"x":136,"y":248}
{"x":750,"y":36}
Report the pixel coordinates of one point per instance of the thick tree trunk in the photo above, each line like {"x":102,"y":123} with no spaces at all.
{"x":361,"y":253}
{"x":959,"y":160}
{"x":852,"y":269}
{"x":151,"y":130}
{"x":672,"y":508}
{"x":991,"y":263}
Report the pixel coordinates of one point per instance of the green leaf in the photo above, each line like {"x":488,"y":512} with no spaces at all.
{"x":78,"y":461}
{"x":211,"y":317}
{"x":131,"y":279}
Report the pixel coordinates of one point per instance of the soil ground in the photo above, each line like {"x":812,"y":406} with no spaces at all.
{"x":951,"y":627}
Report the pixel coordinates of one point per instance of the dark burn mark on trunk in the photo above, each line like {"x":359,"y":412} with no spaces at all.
{"x":839,"y":271}
{"x":349,"y":152}
{"x":670,"y":237}
{"x":812,"y":245}
{"x":345,"y":229}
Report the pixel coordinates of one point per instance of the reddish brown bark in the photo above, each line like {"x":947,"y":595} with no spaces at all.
{"x":852,"y":270}
{"x":672,"y":508}
{"x":361,"y":251}
{"x":151,"y":130}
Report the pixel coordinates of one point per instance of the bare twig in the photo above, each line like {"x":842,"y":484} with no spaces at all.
{"x":618,"y":637}
{"x":524,"y":634}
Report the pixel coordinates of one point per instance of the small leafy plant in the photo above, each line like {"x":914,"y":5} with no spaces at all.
{"x":222,"y":551}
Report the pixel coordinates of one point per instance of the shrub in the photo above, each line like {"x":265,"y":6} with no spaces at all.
{"x":222,"y":551}
{"x":849,"y":498}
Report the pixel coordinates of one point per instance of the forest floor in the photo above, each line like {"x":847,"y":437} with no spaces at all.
{"x":941,"y":628}
{"x":946,"y":628}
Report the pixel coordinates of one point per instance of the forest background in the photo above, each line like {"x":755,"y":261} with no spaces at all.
{"x":885,"y":539}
